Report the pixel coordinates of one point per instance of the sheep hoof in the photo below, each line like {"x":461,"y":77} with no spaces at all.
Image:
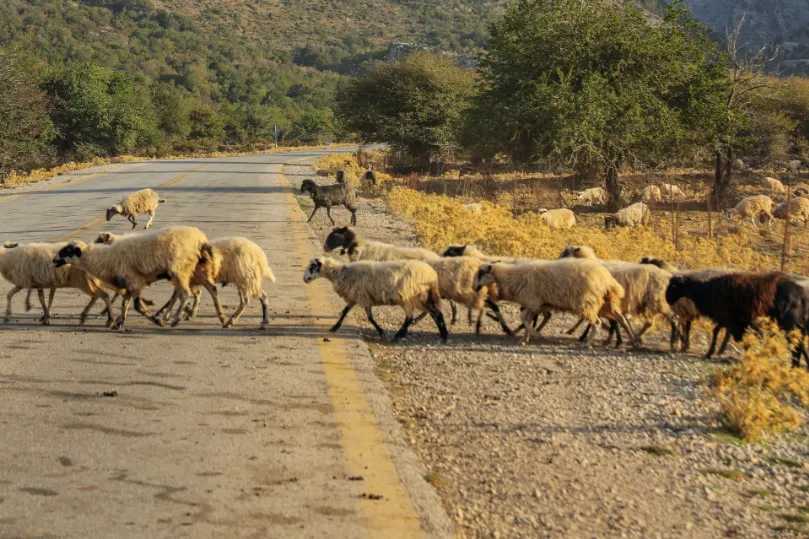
{"x":109,"y":322}
{"x":175,"y":322}
{"x":264,"y":326}
{"x":46,"y":322}
{"x":118,"y":324}
{"x":228,"y":324}
{"x":156,"y":320}
{"x":334,"y":328}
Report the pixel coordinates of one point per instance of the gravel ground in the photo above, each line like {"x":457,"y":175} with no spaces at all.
{"x":560,"y":440}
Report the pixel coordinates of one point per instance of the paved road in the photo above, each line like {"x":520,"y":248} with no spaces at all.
{"x":213,"y":433}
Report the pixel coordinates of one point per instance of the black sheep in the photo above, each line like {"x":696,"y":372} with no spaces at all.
{"x":326,"y":196}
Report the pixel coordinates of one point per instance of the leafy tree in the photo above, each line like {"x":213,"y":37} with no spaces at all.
{"x":206,"y":124}
{"x":415,"y":106}
{"x":171,"y":107}
{"x":585,"y":83}
{"x":312,"y":127}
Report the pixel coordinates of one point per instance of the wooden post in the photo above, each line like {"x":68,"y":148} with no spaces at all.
{"x":785,"y":251}
{"x":710,"y":217}
{"x":677,"y":227}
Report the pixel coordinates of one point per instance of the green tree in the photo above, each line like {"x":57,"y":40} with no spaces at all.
{"x":171,"y":107}
{"x":313,"y":126}
{"x":206,"y":124}
{"x":415,"y":106}
{"x":589,"y":84}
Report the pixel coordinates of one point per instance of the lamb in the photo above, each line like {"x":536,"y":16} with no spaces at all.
{"x":582,"y":287}
{"x":134,"y":262}
{"x":133,"y":204}
{"x":30,"y":266}
{"x":592,"y":197}
{"x":671,"y":192}
{"x":634,"y":215}
{"x":798,"y":208}
{"x":651,"y":193}
{"x":326,"y":196}
{"x":410,"y":284}
{"x":360,"y":249}
{"x":775,"y":186}
{"x":752,"y":207}
{"x":644,"y":287}
{"x":236,"y":261}
{"x":736,"y":300}
{"x":558,"y":219}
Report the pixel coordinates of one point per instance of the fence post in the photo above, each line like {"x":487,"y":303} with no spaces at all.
{"x":710,"y":218}
{"x":785,"y":251}
{"x":677,"y":227}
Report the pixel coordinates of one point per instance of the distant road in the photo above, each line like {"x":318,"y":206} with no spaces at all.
{"x":211,"y":432}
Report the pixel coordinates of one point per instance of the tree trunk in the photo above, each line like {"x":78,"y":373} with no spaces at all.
{"x":723,"y":174}
{"x":614,"y":188}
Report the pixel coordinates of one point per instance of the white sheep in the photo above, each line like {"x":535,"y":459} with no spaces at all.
{"x":475,"y":208}
{"x":593,"y":196}
{"x":361,"y":249}
{"x":738,"y":165}
{"x":775,"y":186}
{"x":651,"y":193}
{"x":671,"y":192}
{"x":794,"y":167}
{"x":752,"y":207}
{"x":134,"y":262}
{"x":561,"y":218}
{"x":31,"y":267}
{"x":410,"y":284}
{"x":798,"y":208}
{"x":634,"y":215}
{"x":133,"y":204}
{"x":582,"y":287}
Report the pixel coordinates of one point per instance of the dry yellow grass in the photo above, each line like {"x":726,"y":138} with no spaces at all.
{"x":331,"y":163}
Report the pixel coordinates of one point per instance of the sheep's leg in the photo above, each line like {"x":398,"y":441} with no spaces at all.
{"x":166,"y":308}
{"x":611,"y":333}
{"x":675,"y":334}
{"x":86,"y":311}
{"x":265,"y":311}
{"x":46,"y":316}
{"x":131,"y":219}
{"x":151,"y":218}
{"x":572,"y":330}
{"x":211,"y":288}
{"x":125,"y":301}
{"x":191,"y":313}
{"x":585,"y":333}
{"x":328,"y":213}
{"x":402,"y":333}
{"x":438,"y":318}
{"x":183,"y":296}
{"x":498,"y":315}
{"x":9,"y":297}
{"x":594,"y":326}
{"x":724,"y":343}
{"x":28,"y":299}
{"x":469,"y":315}
{"x":685,"y":335}
{"x":546,"y":317}
{"x":244,"y":301}
{"x":378,"y":329}
{"x":354,"y":217}
{"x":646,"y":326}
{"x":313,"y":213}
{"x":107,"y":310}
{"x":526,"y":317}
{"x":343,"y":314}
{"x":712,"y":348}
{"x":479,"y":322}
{"x":454,"y":312}
{"x":618,"y":339}
{"x":50,"y":299}
{"x":627,"y":327}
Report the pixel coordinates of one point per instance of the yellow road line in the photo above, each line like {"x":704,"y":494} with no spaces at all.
{"x":363,"y":446}
{"x":94,"y":223}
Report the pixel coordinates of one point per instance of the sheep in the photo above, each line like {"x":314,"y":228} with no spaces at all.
{"x":558,"y":219}
{"x":637,"y":214}
{"x":794,"y":167}
{"x":775,"y":186}
{"x":410,"y":284}
{"x":671,"y":192}
{"x":236,"y":261}
{"x":360,"y":249}
{"x":369,"y":176}
{"x":326,"y":196}
{"x":134,"y":262}
{"x":644,"y":287}
{"x":475,"y":252}
{"x":474,"y":207}
{"x":736,"y":300}
{"x":592,"y":197}
{"x":30,"y":266}
{"x":651,"y":193}
{"x":340,"y":177}
{"x":798,"y":207}
{"x":737,"y":165}
{"x":752,"y":207}
{"x":582,"y":287}
{"x":133,"y":204}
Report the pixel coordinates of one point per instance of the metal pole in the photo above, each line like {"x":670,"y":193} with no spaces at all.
{"x":275,"y":130}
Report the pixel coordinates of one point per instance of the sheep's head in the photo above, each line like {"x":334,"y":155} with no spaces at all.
{"x":342,"y":237}
{"x":10,"y":244}
{"x":314,"y":270}
{"x":679,"y":287}
{"x":308,"y":186}
{"x":483,"y":277}
{"x":659,"y":262}
{"x":578,"y":251}
{"x":610,"y":221}
{"x":105,"y":238}
{"x":113,"y":211}
{"x":454,"y":250}
{"x":70,"y":253}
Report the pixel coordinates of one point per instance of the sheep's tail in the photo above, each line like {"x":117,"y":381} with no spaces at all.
{"x":161,"y":201}
{"x":267,"y":273}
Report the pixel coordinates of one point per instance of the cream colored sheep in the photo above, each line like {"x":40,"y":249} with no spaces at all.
{"x":582,"y":287}
{"x":474,"y":207}
{"x":651,"y":193}
{"x":798,"y":208}
{"x":671,"y":192}
{"x":31,"y":267}
{"x":133,"y":204}
{"x":775,"y":186}
{"x":634,"y":215}
{"x":561,"y":218}
{"x":134,"y":262}
{"x":752,"y":207}
{"x":360,"y":249}
{"x":410,"y":284}
{"x":593,"y":196}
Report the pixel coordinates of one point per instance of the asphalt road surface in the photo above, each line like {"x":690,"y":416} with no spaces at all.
{"x":197,"y":431}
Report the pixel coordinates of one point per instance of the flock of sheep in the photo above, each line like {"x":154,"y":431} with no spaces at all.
{"x":127,"y":264}
{"x":595,"y":290}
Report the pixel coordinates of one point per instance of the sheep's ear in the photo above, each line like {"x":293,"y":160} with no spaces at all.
{"x":77,"y":250}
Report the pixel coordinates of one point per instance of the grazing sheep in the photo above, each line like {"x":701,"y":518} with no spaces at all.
{"x":634,"y":215}
{"x":794,"y":167}
{"x":31,"y":267}
{"x":651,"y":193}
{"x":369,"y":176}
{"x":798,"y":208}
{"x":671,"y":192}
{"x":474,"y":207}
{"x":736,"y":300}
{"x":326,"y":196}
{"x":660,"y":263}
{"x":737,"y":165}
{"x":134,"y":262}
{"x":593,"y":197}
{"x":410,"y":284}
{"x":752,"y":207}
{"x":133,"y":204}
{"x":558,"y":219}
{"x":582,"y":287}
{"x":360,"y":249}
{"x":801,"y":192}
{"x":775,"y":186}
